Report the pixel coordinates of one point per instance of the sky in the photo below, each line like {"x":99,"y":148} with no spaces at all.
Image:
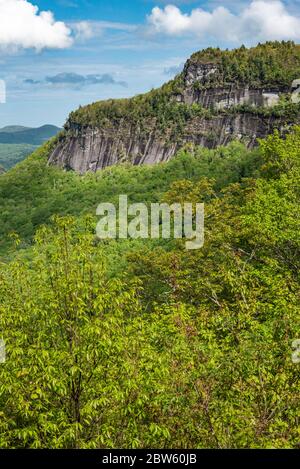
{"x":59,"y":54}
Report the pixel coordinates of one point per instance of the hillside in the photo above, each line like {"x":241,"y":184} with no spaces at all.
{"x":14,"y":128}
{"x":242,"y":94}
{"x":29,"y":136}
{"x":177,"y":348}
{"x":11,"y":154}
{"x":17,"y":142}
{"x":41,"y":191}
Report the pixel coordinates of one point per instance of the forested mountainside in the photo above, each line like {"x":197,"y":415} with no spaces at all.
{"x":141,"y":343}
{"x":40,"y":191}
{"x":26,"y":135}
{"x":14,"y":128}
{"x":17,"y":142}
{"x":220,"y":96}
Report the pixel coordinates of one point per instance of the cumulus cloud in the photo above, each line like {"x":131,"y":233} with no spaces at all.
{"x":75,"y":80}
{"x":22,"y":25}
{"x":83,"y":30}
{"x":259,"y":20}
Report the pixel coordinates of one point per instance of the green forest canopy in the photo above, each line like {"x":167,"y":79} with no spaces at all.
{"x":127,"y":344}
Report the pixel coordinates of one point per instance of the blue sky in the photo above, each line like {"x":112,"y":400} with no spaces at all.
{"x":90,"y":50}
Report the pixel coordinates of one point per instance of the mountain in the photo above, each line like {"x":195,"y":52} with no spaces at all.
{"x":178,"y":348}
{"x":15,"y":134}
{"x":11,"y":154}
{"x":17,"y":142}
{"x":243,"y":94}
{"x":14,"y":128}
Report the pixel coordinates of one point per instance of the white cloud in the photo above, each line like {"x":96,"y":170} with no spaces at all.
{"x":271,"y":20}
{"x":83,"y":30}
{"x":259,"y":20}
{"x":23,"y":26}
{"x":86,"y":30}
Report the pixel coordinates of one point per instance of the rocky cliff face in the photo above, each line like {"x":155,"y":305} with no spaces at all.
{"x":91,"y":149}
{"x":88,"y":147}
{"x":196,"y":76}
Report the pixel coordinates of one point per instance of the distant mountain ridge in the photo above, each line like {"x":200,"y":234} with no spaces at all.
{"x":15,"y":134}
{"x":14,"y":128}
{"x":17,"y":142}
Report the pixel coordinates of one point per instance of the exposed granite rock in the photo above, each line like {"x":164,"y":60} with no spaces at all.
{"x":224,"y":98}
{"x":197,"y":90}
{"x":91,"y":149}
{"x":296,"y":91}
{"x":194,"y":72}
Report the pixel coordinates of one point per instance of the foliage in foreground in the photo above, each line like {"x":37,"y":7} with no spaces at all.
{"x":178,"y":349}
